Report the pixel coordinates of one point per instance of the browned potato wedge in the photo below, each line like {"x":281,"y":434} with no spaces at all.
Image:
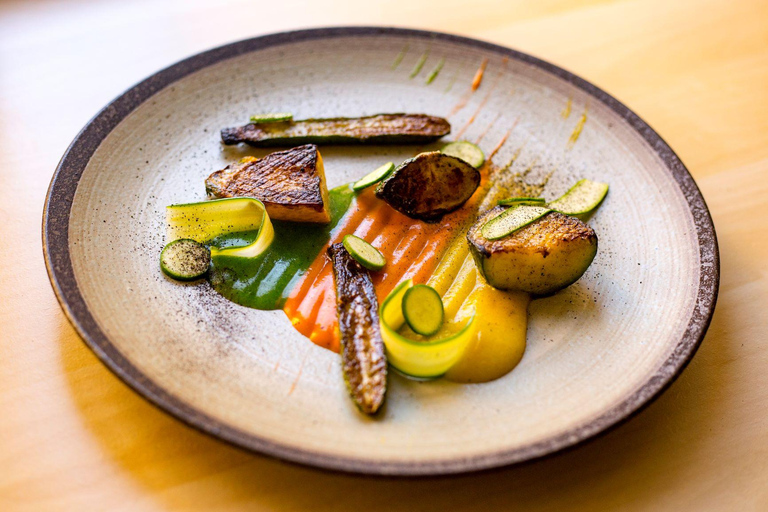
{"x":541,"y":258}
{"x":429,"y":185}
{"x":290,"y":183}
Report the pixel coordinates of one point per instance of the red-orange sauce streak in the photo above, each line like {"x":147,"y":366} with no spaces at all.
{"x":479,"y":75}
{"x":462,"y":102}
{"x":422,"y":266}
{"x":307,"y":309}
{"x":475,"y":84}
{"x":406,"y":242}
{"x":487,"y":129}
{"x":412,"y":249}
{"x":502,"y":141}
{"x":484,"y":100}
{"x":354,"y":217}
{"x":298,"y":374}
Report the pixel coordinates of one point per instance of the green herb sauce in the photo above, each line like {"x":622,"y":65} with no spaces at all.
{"x":265,"y":282}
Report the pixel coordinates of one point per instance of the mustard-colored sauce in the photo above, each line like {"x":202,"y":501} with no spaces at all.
{"x":502,"y":317}
{"x":499,"y":343}
{"x":578,"y":129}
{"x":567,"y":110}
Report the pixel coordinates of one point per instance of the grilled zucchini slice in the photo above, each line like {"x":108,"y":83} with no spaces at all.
{"x":540,"y":258}
{"x":429,"y":185}
{"x":377,"y":129}
{"x":363,"y":358}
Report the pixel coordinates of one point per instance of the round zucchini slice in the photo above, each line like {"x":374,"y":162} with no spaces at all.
{"x":581,"y":199}
{"x":277,"y":117}
{"x":423,"y":309}
{"x":185,"y":259}
{"x":374,"y":176}
{"x":364,"y":253}
{"x":512,"y":219}
{"x":470,"y":153}
{"x":421,"y":358}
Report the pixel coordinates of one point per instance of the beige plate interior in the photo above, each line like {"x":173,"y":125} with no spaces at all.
{"x":246,"y":375}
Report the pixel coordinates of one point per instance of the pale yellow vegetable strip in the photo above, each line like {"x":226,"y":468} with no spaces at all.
{"x":460,"y":289}
{"x":417,"y":355}
{"x":258,"y":246}
{"x":449,"y":265}
{"x":394,"y":316}
{"x":206,"y":220}
{"x":501,"y":323}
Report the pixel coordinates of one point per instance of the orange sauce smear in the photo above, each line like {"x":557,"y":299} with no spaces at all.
{"x":478,"y":79}
{"x":412,"y":248}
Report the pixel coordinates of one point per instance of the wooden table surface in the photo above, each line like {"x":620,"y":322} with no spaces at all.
{"x":74,"y":437}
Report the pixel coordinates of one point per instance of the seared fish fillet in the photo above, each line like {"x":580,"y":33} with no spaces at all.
{"x":290,"y":183}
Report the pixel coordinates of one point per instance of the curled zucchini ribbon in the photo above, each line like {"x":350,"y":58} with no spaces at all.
{"x":424,"y":359}
{"x":206,"y":220}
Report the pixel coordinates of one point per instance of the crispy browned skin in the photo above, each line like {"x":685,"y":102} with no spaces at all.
{"x":429,"y":185}
{"x":362,"y":350}
{"x":377,"y":129}
{"x":290,"y":183}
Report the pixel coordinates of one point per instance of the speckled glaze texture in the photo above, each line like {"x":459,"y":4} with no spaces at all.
{"x":598,"y":351}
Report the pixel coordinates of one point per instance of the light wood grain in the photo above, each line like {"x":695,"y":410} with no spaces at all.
{"x":73,"y":437}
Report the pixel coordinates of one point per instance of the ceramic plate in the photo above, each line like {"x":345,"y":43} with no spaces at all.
{"x":597,"y":352}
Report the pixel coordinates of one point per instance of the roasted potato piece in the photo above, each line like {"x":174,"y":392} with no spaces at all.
{"x":429,"y":185}
{"x":541,"y":258}
{"x":290,"y":183}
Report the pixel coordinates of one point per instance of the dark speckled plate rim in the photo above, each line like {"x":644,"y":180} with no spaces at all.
{"x":61,"y":192}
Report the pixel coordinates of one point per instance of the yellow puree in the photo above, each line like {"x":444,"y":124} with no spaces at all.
{"x":501,"y":317}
